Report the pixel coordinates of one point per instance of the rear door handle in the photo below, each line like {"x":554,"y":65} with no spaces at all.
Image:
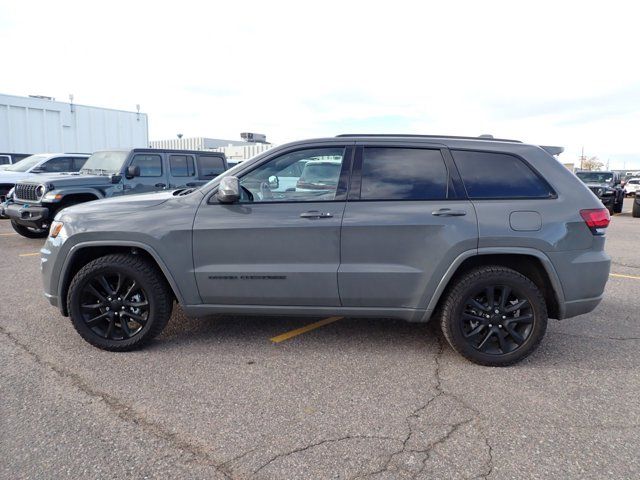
{"x":447,"y":212}
{"x":316,"y":214}
{"x":160,"y":185}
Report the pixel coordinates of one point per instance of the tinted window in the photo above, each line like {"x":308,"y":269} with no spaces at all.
{"x":210,"y":166}
{"x":150,"y":165}
{"x":403,"y":174}
{"x":498,"y":175}
{"x":78,"y":163}
{"x":4,"y":160}
{"x":181,"y":165}
{"x":60,"y":164}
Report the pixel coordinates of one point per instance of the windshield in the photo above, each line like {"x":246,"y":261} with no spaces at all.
{"x":595,"y":177}
{"x":105,"y":162}
{"x":26,"y":164}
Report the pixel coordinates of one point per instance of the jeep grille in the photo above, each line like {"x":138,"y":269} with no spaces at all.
{"x":596,"y":190}
{"x":26,"y":191}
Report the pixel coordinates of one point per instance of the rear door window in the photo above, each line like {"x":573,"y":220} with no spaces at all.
{"x":150,"y":165}
{"x":403,"y":174}
{"x":181,"y":166}
{"x":488,"y":175}
{"x":210,"y":166}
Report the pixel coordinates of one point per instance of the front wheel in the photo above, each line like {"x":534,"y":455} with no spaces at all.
{"x":119,"y":302}
{"x":494,"y":316}
{"x":29,"y":232}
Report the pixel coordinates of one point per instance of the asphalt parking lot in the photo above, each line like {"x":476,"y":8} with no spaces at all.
{"x":230,"y":397}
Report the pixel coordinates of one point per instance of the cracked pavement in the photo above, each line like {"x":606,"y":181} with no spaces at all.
{"x":356,"y":399}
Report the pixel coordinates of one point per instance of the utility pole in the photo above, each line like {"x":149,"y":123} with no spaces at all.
{"x":582,"y":158}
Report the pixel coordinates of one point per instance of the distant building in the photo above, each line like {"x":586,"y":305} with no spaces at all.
{"x":41,"y":124}
{"x":235,"y":150}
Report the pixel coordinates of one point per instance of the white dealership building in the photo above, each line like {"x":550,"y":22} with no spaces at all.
{"x":41,"y":124}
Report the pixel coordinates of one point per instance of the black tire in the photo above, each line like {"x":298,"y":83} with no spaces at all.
{"x":139,"y":291}
{"x":519,"y":332}
{"x":30,"y":232}
{"x":636,"y":209}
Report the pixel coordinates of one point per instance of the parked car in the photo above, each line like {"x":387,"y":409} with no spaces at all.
{"x":487,"y":237}
{"x":107,"y":174}
{"x":7,"y":159}
{"x":34,"y":166}
{"x":606,"y":186}
{"x":631,"y":186}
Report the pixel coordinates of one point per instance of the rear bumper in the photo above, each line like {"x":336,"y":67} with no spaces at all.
{"x":27,"y":215}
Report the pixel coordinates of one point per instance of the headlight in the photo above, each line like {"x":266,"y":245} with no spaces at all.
{"x":40,"y":190}
{"x":55,"y":229}
{"x":600,"y":192}
{"x":52,"y":197}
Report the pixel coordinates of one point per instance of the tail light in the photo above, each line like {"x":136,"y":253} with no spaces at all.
{"x":596,"y":219}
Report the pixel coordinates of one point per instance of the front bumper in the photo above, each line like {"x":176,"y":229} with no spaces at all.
{"x":27,"y":215}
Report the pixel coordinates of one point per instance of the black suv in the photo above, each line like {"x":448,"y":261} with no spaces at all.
{"x":35,"y":202}
{"x":607,"y":187}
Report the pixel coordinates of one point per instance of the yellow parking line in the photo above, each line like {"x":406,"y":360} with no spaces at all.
{"x":29,"y":254}
{"x":619,"y":275}
{"x":305,"y":329}
{"x":7,"y":234}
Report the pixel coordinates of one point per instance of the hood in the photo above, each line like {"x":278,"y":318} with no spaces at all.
{"x":122,"y":203}
{"x":59,"y":180}
{"x":13,"y":177}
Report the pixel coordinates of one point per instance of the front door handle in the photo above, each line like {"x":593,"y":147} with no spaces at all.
{"x":447,"y":212}
{"x":160,"y":185}
{"x":316,"y":214}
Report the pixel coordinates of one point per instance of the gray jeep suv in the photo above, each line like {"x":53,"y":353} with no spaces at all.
{"x":490,"y":237}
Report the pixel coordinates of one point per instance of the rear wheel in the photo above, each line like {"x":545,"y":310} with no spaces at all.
{"x":29,"y":232}
{"x":636,"y":208}
{"x":494,"y":316}
{"x":119,"y":302}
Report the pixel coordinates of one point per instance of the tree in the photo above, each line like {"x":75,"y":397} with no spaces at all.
{"x":591,"y":163}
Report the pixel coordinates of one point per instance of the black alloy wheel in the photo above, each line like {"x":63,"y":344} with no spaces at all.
{"x":114,"y":306}
{"x":119,"y":302}
{"x":497,"y":320}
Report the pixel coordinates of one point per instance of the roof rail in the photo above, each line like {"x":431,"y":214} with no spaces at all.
{"x":454,"y":137}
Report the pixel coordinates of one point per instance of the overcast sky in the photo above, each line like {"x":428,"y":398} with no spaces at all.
{"x":555,"y":73}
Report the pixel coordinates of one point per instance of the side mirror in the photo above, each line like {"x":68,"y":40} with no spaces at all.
{"x":228,"y":190}
{"x":274,"y":182}
{"x":115,"y":179}
{"x":132,"y":171}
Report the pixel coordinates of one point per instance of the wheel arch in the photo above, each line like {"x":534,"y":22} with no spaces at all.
{"x":82,"y":253}
{"x":532,"y":263}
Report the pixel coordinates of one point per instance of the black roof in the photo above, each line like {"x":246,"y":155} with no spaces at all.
{"x":403,"y":135}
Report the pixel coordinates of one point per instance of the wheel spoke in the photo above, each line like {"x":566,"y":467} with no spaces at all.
{"x":135,"y":317}
{"x":472,"y":317}
{"x":112,"y":324}
{"x":517,"y":306}
{"x":97,"y":318}
{"x":118,"y":284}
{"x":143,"y":303}
{"x":124,"y":325}
{"x":506,"y":291}
{"x":502,"y":342}
{"x":475,"y":331}
{"x":132,"y":289}
{"x":104,"y":284}
{"x":91,"y":306}
{"x":485,"y":340}
{"x":96,"y":293}
{"x":521,"y":319}
{"x":477,"y":305}
{"x":519,"y":339}
{"x":489,"y":293}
